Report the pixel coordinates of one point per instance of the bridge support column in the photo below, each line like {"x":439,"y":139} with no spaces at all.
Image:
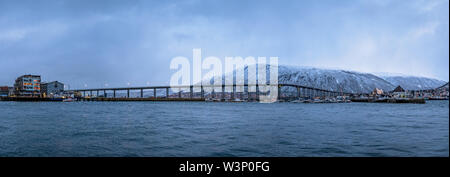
{"x":154,"y":92}
{"x":179,"y":93}
{"x":245,"y":92}
{"x":301,"y":92}
{"x":191,"y":92}
{"x":257,"y":92}
{"x":298,"y":92}
{"x":167,"y":92}
{"x":142,"y":93}
{"x":223,"y":92}
{"x":128,"y":93}
{"x":202,"y":92}
{"x":279,"y":92}
{"x":114,"y":93}
{"x":233,"y":92}
{"x":98,"y":92}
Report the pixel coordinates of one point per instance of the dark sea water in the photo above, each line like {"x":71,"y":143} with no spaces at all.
{"x":223,"y":129}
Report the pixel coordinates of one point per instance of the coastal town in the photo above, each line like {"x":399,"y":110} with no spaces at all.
{"x":32,"y":88}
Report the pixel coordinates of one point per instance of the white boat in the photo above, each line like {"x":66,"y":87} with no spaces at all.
{"x":68,"y":100}
{"x":238,"y":100}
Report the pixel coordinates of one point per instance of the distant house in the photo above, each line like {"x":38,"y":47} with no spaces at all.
{"x":398,"y":89}
{"x":377,"y":91}
{"x":52,"y":88}
{"x":399,"y":92}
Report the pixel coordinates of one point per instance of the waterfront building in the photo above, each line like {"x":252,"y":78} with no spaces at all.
{"x":11,"y":91}
{"x":4,"y":91}
{"x":399,"y":92}
{"x":28,"y":85}
{"x":52,"y":88}
{"x":377,"y":91}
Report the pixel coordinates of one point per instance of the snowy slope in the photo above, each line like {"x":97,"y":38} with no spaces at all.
{"x":413,"y":82}
{"x":335,"y":80}
{"x":345,"y":81}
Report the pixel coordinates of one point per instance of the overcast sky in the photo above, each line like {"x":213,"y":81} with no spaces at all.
{"x":119,"y":43}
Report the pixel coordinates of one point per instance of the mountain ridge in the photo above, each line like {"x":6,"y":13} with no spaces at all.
{"x":344,"y":80}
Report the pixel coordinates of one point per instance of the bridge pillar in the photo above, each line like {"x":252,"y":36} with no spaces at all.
{"x":104,"y":94}
{"x":301,"y":92}
{"x":154,"y":92}
{"x":128,"y":93}
{"x":167,"y":92}
{"x":202,"y":92}
{"x":298,"y":92}
{"x":223,"y":92}
{"x":114,"y":93}
{"x":279,"y":92}
{"x":245,"y":92}
{"x":191,"y":92}
{"x":233,"y":92}
{"x":91,"y":93}
{"x":257,"y":92}
{"x":98,"y":92}
{"x":179,"y":93}
{"x":142,"y":93}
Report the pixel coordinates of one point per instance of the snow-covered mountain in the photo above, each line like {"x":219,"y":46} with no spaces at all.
{"x":345,"y":81}
{"x":334,"y":80}
{"x":413,"y":82}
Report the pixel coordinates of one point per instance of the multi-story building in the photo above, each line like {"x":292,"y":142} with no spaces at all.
{"x":52,"y":88}
{"x":28,"y":85}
